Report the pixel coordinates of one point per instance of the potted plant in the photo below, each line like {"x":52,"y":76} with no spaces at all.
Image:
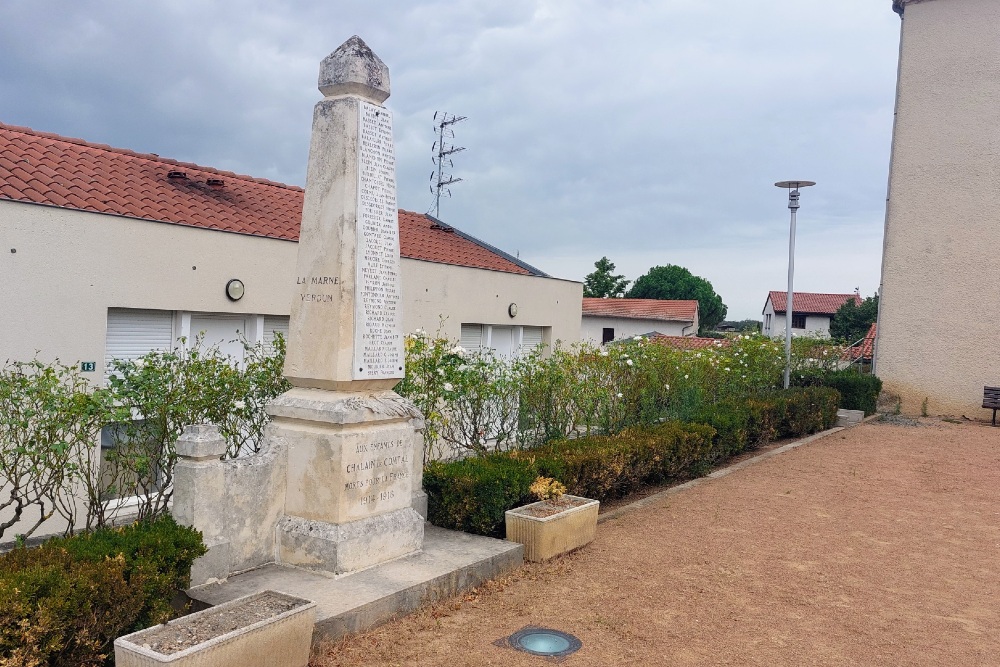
{"x":268,"y":629}
{"x":557,"y":523}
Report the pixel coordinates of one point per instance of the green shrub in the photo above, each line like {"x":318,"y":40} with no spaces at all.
{"x":65,"y":602}
{"x":746,"y":424}
{"x":731,"y":422}
{"x":610,"y":466}
{"x":763,"y":416}
{"x":472,"y":494}
{"x":805,"y":410}
{"x":682,"y":449}
{"x":857,"y":391}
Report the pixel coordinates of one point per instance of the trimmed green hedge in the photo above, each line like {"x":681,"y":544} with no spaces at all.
{"x":857,"y":391}
{"x":748,"y":424}
{"x":65,"y":602}
{"x":472,"y":494}
{"x":612,"y":466}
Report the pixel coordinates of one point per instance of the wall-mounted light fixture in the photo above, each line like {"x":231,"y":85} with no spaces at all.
{"x":235,"y":289}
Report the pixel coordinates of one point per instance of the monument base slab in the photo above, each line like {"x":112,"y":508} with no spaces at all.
{"x":450,"y":562}
{"x":346,"y":547}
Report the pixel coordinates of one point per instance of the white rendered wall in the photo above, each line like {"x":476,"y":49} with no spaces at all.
{"x":942,"y":228}
{"x":592,"y":327}
{"x":769,"y":328}
{"x":816,"y":325}
{"x":71,"y":266}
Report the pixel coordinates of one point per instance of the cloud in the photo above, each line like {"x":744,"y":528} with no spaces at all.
{"x":639,"y":129}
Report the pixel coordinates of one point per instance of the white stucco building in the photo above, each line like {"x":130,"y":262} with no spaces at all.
{"x":113,"y":253}
{"x":605,"y":320}
{"x":811,"y":313}
{"x":110,"y":254}
{"x":938,"y":312}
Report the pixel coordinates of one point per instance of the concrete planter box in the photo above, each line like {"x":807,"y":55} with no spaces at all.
{"x":546,"y":536}
{"x":281,"y":640}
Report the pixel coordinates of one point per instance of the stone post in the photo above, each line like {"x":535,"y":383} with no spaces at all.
{"x":350,"y":440}
{"x":199,"y":490}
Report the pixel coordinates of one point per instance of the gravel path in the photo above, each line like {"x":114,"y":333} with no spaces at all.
{"x":877,"y":545}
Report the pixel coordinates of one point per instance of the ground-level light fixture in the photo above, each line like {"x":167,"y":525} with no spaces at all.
{"x":541,"y":641}
{"x":793,"y":206}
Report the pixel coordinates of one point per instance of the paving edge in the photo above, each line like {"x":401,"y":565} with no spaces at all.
{"x":716,"y":474}
{"x":406,"y":601}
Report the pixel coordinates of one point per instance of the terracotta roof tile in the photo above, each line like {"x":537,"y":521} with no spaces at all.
{"x":811,"y":302}
{"x":41,"y":168}
{"x":689,"y":342}
{"x":866,"y":348}
{"x":642,"y":309}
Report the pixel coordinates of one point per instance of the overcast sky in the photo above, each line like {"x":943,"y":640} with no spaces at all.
{"x":650,"y":132}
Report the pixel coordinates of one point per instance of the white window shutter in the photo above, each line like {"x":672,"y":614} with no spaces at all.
{"x":472,"y":337}
{"x":531,"y":338}
{"x":133,"y":333}
{"x":274,"y":324}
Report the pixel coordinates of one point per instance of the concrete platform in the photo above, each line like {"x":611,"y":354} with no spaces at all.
{"x":449,"y":563}
{"x":848,"y":418}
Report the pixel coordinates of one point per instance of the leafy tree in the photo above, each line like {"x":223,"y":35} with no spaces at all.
{"x":602,"y":282}
{"x":851,"y":322}
{"x":676,"y":282}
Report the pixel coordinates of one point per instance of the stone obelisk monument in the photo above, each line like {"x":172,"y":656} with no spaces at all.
{"x":353,"y":444}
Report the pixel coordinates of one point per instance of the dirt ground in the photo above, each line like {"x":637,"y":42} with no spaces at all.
{"x":877,"y":545}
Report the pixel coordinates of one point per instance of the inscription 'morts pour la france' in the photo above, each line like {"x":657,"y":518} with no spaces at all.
{"x":378,"y":339}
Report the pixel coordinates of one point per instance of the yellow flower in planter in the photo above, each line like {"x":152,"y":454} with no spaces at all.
{"x":546,"y":488}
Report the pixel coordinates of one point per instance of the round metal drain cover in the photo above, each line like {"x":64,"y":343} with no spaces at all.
{"x":543,"y":641}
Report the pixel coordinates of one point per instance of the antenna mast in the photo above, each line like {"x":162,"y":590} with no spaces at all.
{"x":440,"y":181}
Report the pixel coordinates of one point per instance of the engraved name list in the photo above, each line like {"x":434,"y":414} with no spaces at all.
{"x":378,"y":340}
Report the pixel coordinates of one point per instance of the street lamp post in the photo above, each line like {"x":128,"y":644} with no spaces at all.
{"x":793,"y":206}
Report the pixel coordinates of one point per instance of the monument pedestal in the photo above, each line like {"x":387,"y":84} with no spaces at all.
{"x":353,"y":461}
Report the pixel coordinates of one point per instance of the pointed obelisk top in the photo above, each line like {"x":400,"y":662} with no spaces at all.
{"x":354,"y":69}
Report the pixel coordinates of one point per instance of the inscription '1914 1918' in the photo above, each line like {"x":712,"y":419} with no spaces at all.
{"x":378,"y":339}
{"x":377,"y":473}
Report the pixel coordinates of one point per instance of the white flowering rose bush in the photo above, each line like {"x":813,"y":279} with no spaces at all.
{"x":470,"y":400}
{"x":51,"y":419}
{"x":433,"y":366}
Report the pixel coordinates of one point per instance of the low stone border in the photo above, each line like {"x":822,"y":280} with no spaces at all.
{"x":716,"y":474}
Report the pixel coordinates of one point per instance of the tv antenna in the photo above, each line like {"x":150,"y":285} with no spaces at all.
{"x":443,"y":122}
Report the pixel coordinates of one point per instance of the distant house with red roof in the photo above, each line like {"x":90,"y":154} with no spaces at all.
{"x":690,"y":342}
{"x":112,"y":253}
{"x":811,"y":312}
{"x":605,"y":320}
{"x":864,"y":349}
